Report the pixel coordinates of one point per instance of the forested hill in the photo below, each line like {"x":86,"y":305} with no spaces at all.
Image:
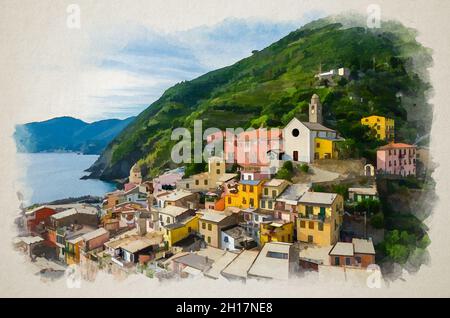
{"x":275,"y":84}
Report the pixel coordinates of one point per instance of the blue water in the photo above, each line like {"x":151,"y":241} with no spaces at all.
{"x":52,"y":176}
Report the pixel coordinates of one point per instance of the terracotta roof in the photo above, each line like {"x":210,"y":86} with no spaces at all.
{"x":396,"y":146}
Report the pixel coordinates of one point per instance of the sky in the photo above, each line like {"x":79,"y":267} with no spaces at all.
{"x":122,"y":59}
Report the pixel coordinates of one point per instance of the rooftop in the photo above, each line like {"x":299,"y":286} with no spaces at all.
{"x":196,"y":261}
{"x":250,"y":182}
{"x":395,"y":146}
{"x":272,"y":261}
{"x":241,"y":264}
{"x":236,"y":232}
{"x":64,"y":214}
{"x":318,"y":198}
{"x":175,"y":195}
{"x":366,"y":191}
{"x":173,"y":210}
{"x":91,"y":235}
{"x":316,"y":126}
{"x":227,"y":177}
{"x":342,"y":248}
{"x":274,"y":182}
{"x":213,"y":216}
{"x":362,"y":246}
{"x":293,"y":193}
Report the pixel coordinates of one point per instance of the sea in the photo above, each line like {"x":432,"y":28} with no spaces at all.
{"x":46,"y":177}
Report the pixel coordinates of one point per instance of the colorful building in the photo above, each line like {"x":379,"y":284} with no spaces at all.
{"x":211,"y":224}
{"x":397,"y":159}
{"x":326,"y":148}
{"x":205,"y":181}
{"x":276,"y":231}
{"x":178,"y":231}
{"x":270,"y":192}
{"x":320,"y":218}
{"x":358,"y":253}
{"x":248,"y":195}
{"x":383,"y":126}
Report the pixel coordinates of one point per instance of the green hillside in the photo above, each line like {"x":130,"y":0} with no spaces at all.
{"x":275,"y":84}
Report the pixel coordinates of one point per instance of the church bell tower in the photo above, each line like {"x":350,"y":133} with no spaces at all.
{"x":315,"y":110}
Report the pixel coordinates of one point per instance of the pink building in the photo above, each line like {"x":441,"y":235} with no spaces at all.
{"x":169,"y":178}
{"x":248,"y":147}
{"x":397,"y":159}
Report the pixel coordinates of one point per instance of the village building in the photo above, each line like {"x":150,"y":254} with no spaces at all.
{"x":172,"y":214}
{"x":211,"y":224}
{"x":235,"y":238}
{"x":319,"y":218}
{"x":248,"y":195}
{"x":179,"y":198}
{"x":78,"y":245}
{"x":358,"y":253}
{"x":270,"y":192}
{"x":307,"y":141}
{"x":205,"y":181}
{"x":286,"y":204}
{"x":135,"y":175}
{"x":276,"y":260}
{"x":128,"y":250}
{"x":361,"y":194}
{"x":183,"y":228}
{"x":252,"y":219}
{"x":276,"y":231}
{"x":36,"y":219}
{"x":383,"y":127}
{"x":168,"y":180}
{"x":333,"y":73}
{"x":397,"y":159}
{"x":114,"y":198}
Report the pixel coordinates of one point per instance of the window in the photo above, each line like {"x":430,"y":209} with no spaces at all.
{"x":187,"y":185}
{"x":266,"y":191}
{"x":244,"y":188}
{"x":209,"y":227}
{"x":309,"y":210}
{"x":251,"y":188}
{"x":317,"y":144}
{"x":295,"y":132}
{"x":358,"y":259}
{"x":252,"y":202}
{"x":217,"y":164}
{"x":205,"y":182}
{"x":218,"y":171}
{"x":168,"y":220}
{"x":209,"y":239}
{"x":270,"y":205}
{"x":197,"y":182}
{"x":320,"y":226}
{"x":336,"y":261}
{"x":277,"y":255}
{"x":229,"y":200}
{"x":244,"y":201}
{"x":189,"y":229}
{"x":263,"y":204}
{"x":302,"y":224}
{"x":347,"y":261}
{"x":289,"y":237}
{"x":225,"y":239}
{"x":311,"y":225}
{"x":274,"y":194}
{"x":203,"y":225}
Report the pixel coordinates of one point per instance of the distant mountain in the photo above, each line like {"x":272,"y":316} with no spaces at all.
{"x":68,"y":134}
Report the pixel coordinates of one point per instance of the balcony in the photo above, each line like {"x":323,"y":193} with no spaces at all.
{"x":312,"y":217}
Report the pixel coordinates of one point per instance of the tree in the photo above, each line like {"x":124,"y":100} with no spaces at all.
{"x":377,"y":220}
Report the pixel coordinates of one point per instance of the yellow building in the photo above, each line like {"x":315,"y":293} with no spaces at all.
{"x":248,"y":195}
{"x":270,"y":192}
{"x":175,"y":232}
{"x":276,"y":231}
{"x":325,"y":148}
{"x":383,"y":126}
{"x":72,"y":251}
{"x":319,"y":218}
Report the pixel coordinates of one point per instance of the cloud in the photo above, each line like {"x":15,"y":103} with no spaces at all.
{"x":125,"y":78}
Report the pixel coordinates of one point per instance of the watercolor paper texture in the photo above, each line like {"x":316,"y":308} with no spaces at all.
{"x":336,"y":184}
